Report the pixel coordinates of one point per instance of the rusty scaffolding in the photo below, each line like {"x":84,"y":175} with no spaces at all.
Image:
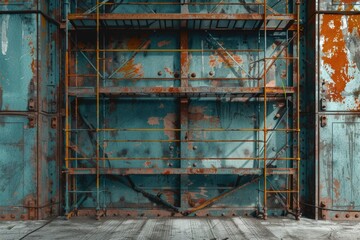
{"x":96,"y":19}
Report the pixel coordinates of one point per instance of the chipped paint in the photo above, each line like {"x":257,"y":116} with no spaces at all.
{"x":335,"y":58}
{"x":339,"y":38}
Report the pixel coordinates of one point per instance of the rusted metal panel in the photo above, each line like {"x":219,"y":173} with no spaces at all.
{"x":339,"y":62}
{"x":48,"y":65}
{"x":338,"y":5}
{"x":215,"y":108}
{"x":29,"y":79}
{"x":18,"y":168}
{"x":18,"y":61}
{"x":50,"y":9}
{"x":337,"y":100}
{"x":48,"y":168}
{"x":338,"y":155}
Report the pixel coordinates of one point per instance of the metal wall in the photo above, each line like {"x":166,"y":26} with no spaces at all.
{"x":179,"y":109}
{"x":29,"y":94}
{"x":336,"y":30}
{"x":182,"y":109}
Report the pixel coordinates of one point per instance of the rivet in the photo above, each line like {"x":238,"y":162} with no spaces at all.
{"x":194,"y":147}
{"x":211,"y":73}
{"x":193,"y":75}
{"x":356,"y":215}
{"x":194,"y":164}
{"x":347,"y":215}
{"x":337,"y":216}
{"x":159,"y":73}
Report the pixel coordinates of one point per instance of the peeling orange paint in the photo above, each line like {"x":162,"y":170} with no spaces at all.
{"x":130,"y":69}
{"x":335,"y":56}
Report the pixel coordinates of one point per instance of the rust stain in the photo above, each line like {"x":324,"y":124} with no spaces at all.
{"x":147,"y":163}
{"x":163,"y":43}
{"x":219,"y":58}
{"x":153,"y":121}
{"x":336,"y":188}
{"x":32,"y":48}
{"x":135,"y":42}
{"x":348,"y":1}
{"x":212,"y":61}
{"x":169,"y":71}
{"x":197,"y":114}
{"x":170,"y":123}
{"x":335,"y":56}
{"x":167,"y":172}
{"x":130,"y":69}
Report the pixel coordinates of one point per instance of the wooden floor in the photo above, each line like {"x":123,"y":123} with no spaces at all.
{"x":181,"y":228}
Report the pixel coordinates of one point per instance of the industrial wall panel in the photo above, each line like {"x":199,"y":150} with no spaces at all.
{"x":29,"y":165}
{"x":339,"y":66}
{"x":18,"y":62}
{"x":48,"y":65}
{"x":50,"y":8}
{"x":29,"y":79}
{"x":48,"y":167}
{"x":18,"y":167}
{"x":339,"y":165}
{"x":338,"y":5}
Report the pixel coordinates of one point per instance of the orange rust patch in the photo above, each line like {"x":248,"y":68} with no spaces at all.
{"x":348,"y":1}
{"x":222,"y":58}
{"x":197,"y":114}
{"x":170,"y":123}
{"x":335,"y":57}
{"x":212,"y":61}
{"x":130,"y":69}
{"x":135,"y":42}
{"x":168,"y":70}
{"x":163,"y":43}
{"x":153,"y":121}
{"x":336,"y":188}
